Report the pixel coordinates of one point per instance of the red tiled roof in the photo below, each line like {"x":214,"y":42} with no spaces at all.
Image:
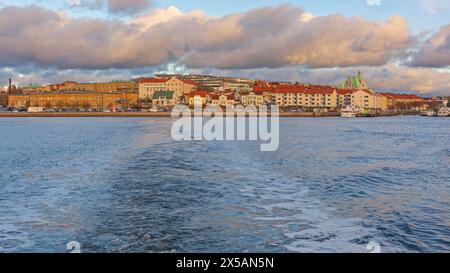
{"x":311,"y":90}
{"x":217,"y":96}
{"x":402,"y":96}
{"x":198,"y":94}
{"x":345,"y":91}
{"x":231,"y":97}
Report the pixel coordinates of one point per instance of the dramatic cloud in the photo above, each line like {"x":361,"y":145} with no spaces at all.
{"x":436,"y":51}
{"x":266,"y":37}
{"x":277,"y":37}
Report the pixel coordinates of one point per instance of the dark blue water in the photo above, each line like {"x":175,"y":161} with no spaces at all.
{"x":123,"y":185}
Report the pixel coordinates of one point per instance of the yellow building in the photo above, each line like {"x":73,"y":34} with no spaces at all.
{"x":369,"y":100}
{"x":74,"y":100}
{"x":147,"y":87}
{"x":381,"y":102}
{"x":395,"y":101}
{"x":363,"y":98}
{"x":306,"y":96}
{"x":19,"y":101}
{"x":197,"y":98}
{"x":223,"y":100}
{"x":165,"y":98}
{"x":252,"y":98}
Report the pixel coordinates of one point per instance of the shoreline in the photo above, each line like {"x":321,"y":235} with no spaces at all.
{"x":165,"y":115}
{"x":137,"y":114}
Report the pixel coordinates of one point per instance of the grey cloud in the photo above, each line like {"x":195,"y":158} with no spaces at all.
{"x":436,"y":50}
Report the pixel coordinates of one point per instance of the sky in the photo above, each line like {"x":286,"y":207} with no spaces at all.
{"x":399,"y":45}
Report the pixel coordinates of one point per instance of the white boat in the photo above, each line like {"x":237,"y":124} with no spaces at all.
{"x":429,"y":113}
{"x":351,"y":111}
{"x":35,"y":109}
{"x":443,"y":112}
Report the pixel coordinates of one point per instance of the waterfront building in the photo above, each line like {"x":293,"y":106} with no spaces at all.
{"x":223,"y":99}
{"x":197,"y":98}
{"x":252,"y":98}
{"x":344,"y":97}
{"x":74,"y":100}
{"x":19,"y":101}
{"x":365,"y":99}
{"x":165,"y":98}
{"x":148,"y":86}
{"x":368,"y":100}
{"x":322,"y":98}
{"x":405,"y":101}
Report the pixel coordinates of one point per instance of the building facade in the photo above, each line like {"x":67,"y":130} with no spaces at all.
{"x":197,"y":98}
{"x":165,"y":99}
{"x":74,"y":100}
{"x":223,"y":100}
{"x":404,"y":101}
{"x":252,"y":98}
{"x":147,"y":87}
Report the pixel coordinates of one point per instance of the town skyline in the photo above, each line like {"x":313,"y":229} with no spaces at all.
{"x":398,"y":49}
{"x":338,"y":84}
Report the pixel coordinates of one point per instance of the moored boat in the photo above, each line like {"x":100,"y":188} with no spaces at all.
{"x":351,"y":111}
{"x":443,"y":112}
{"x":429,"y":113}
